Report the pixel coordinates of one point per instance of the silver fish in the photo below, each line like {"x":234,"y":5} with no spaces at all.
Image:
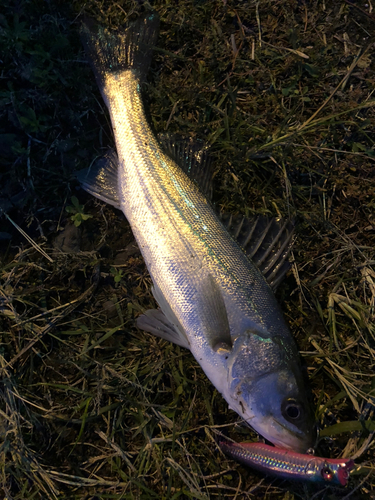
{"x":213,"y":299}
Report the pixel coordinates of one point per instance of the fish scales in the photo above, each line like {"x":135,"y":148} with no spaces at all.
{"x":213,"y":299}
{"x":175,"y":227}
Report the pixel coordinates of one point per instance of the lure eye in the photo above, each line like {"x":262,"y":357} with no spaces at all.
{"x":291,"y":410}
{"x":326,"y":473}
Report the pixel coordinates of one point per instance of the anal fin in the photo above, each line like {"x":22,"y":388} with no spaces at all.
{"x":101,"y":179}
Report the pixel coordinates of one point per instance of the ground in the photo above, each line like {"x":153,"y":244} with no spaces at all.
{"x":91,"y":407}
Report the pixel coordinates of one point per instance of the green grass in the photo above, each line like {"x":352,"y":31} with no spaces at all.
{"x":90,"y":407}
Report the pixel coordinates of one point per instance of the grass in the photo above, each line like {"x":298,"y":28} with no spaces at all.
{"x":284,"y":92}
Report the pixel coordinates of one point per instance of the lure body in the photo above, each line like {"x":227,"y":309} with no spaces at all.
{"x":288,"y":464}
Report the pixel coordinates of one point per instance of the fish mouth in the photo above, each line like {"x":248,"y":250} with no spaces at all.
{"x":299,"y":447}
{"x":283,"y":437}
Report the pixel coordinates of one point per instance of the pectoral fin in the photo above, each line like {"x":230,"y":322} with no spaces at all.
{"x":214,"y":316}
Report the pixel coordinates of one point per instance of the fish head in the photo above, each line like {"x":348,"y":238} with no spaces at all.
{"x":265,"y":386}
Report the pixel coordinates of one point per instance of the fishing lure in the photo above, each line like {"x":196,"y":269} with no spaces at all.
{"x":289,"y":464}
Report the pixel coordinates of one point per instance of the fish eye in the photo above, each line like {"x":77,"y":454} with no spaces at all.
{"x":326,"y":473}
{"x":291,"y":410}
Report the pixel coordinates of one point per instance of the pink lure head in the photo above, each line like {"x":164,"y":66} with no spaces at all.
{"x":335,"y":470}
{"x":344,"y":470}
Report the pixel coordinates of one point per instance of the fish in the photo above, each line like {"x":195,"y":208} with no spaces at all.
{"x":290,"y":465}
{"x":208,"y":271}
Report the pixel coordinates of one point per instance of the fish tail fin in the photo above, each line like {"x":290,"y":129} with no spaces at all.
{"x":116,"y":51}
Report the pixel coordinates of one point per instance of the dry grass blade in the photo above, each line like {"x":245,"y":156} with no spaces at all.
{"x":190,"y":481}
{"x":340,"y":85}
{"x":27,"y":237}
{"x":39,"y":333}
{"x":19,"y":461}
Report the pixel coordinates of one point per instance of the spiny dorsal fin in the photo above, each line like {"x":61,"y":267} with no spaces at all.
{"x":266,"y":241}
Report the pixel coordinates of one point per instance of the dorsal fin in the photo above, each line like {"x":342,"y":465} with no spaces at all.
{"x":194,"y":159}
{"x":266,"y":241}
{"x":101,"y":179}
